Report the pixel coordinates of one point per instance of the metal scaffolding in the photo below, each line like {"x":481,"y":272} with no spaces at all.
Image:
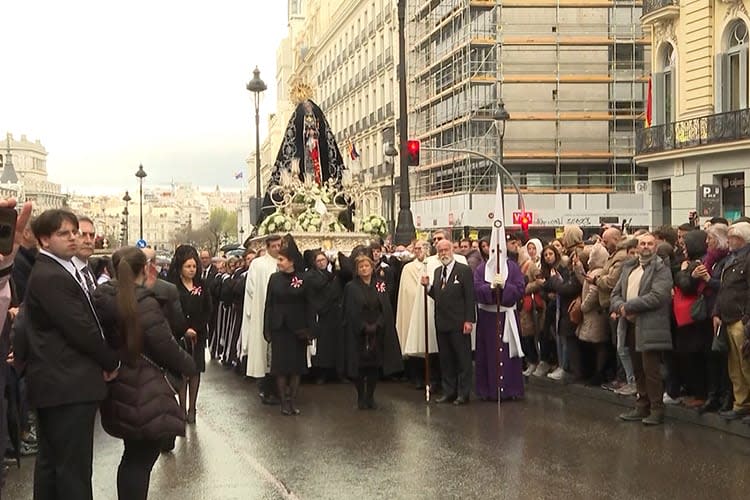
{"x":572,"y":75}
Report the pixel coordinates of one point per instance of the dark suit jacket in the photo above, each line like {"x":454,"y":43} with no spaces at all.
{"x":62,"y":344}
{"x":168,"y":296}
{"x":455,"y":304}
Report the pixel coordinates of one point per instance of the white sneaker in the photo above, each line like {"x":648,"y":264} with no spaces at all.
{"x":627,"y":390}
{"x":529,"y":370}
{"x":542,"y":369}
{"x":558,"y":374}
{"x":669,"y":401}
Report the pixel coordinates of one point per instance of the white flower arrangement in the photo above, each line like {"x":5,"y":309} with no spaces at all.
{"x":375,"y":225}
{"x":337,"y":227}
{"x":309,"y":221}
{"x":277,"y":222}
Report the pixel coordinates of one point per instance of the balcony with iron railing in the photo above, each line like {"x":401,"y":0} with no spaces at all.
{"x":657,"y":10}
{"x":720,"y":128}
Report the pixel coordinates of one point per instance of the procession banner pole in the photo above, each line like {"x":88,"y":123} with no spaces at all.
{"x":426,"y":351}
{"x":498,"y":333}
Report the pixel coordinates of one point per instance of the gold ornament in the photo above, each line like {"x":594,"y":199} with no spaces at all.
{"x":300,"y":92}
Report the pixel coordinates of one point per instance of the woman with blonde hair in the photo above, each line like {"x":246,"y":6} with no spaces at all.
{"x":371,"y":341}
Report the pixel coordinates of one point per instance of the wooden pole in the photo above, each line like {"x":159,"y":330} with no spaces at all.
{"x":427,"y":379}
{"x":498,"y":332}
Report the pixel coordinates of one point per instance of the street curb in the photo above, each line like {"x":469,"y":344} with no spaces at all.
{"x":681,"y":414}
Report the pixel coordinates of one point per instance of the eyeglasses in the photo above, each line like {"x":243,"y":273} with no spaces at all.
{"x":87,"y":235}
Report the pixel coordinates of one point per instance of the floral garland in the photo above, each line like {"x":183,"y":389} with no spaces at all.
{"x":309,"y":221}
{"x":375,"y":225}
{"x":276,"y":222}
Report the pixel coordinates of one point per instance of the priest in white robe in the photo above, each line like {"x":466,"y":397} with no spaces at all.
{"x":254,"y":345}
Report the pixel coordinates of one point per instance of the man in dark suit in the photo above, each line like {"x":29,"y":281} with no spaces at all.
{"x":455,"y":312}
{"x":86,"y":240}
{"x":67,"y":361}
{"x":208,"y":276}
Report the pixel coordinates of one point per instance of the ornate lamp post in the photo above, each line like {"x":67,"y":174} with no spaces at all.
{"x":256,"y":86}
{"x":141,"y":174}
{"x":126,"y":219}
{"x":501,"y":116}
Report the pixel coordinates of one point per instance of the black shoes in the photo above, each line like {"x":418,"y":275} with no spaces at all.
{"x":735,"y":414}
{"x":269,"y":399}
{"x":709,"y":406}
{"x":445,"y":399}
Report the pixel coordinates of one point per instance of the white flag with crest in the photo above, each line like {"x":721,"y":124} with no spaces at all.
{"x":498,"y":238}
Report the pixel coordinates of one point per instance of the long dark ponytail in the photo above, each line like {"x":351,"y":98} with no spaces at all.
{"x":129,"y":262}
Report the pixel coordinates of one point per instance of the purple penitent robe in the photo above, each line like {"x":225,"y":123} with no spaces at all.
{"x":486,"y":335}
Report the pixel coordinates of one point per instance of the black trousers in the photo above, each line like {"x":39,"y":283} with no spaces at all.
{"x":134,"y":473}
{"x":455,"y":363}
{"x":66,"y":449}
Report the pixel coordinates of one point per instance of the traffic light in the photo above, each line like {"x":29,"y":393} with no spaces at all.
{"x":412,"y":150}
{"x":525,"y":222}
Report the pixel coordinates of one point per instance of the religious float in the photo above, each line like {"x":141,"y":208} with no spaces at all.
{"x":311,"y":194}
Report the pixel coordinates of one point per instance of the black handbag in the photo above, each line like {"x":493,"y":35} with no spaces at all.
{"x":720,"y":342}
{"x":174,"y":381}
{"x":699,"y":311}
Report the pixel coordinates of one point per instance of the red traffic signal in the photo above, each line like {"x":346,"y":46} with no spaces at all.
{"x":525,"y":221}
{"x":412,"y":151}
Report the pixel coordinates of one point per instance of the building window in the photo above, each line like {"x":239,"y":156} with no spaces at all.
{"x":664,"y":86}
{"x":731,"y":74}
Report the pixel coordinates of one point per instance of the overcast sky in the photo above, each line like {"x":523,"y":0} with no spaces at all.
{"x":108,"y":85}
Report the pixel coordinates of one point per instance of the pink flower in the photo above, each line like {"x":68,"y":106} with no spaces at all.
{"x":380,"y":286}
{"x":196,"y":291}
{"x":296,"y":282}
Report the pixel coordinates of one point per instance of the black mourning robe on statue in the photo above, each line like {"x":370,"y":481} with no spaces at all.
{"x":293,"y":146}
{"x":365,"y":304}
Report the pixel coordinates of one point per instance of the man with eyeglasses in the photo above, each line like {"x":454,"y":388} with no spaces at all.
{"x":85,"y":240}
{"x":68,"y":361}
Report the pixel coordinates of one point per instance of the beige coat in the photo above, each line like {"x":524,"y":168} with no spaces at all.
{"x":595,"y":325}
{"x":610,"y":274}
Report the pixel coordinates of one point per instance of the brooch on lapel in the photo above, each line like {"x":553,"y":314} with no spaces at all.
{"x":296,"y":282}
{"x":380,"y":287}
{"x":196,"y":291}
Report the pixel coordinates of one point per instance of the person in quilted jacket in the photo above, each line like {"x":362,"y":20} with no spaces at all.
{"x":141,"y":407}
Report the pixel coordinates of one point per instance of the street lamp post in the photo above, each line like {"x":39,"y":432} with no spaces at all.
{"x":256,"y":86}
{"x":391,"y":152}
{"x":405,"y":230}
{"x":141,"y":174}
{"x":501,"y":116}
{"x":126,"y":214}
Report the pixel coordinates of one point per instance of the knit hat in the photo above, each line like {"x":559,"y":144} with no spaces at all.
{"x":598,"y":256}
{"x":740,"y":229}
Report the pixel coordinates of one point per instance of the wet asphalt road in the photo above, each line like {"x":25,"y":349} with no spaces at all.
{"x":546,"y":447}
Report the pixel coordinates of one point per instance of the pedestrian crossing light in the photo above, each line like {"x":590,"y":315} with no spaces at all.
{"x":412,"y":148}
{"x":525,"y":222}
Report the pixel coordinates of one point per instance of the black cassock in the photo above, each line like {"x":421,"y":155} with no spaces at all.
{"x":288,"y":323}
{"x":363,"y":305}
{"x":325,"y":294}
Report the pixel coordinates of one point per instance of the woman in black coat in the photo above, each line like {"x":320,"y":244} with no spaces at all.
{"x":185,"y":273}
{"x":371,"y":341}
{"x":141,"y":407}
{"x":288,"y":321}
{"x":325,"y":293}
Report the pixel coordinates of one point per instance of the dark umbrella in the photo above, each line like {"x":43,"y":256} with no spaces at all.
{"x":230,"y":247}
